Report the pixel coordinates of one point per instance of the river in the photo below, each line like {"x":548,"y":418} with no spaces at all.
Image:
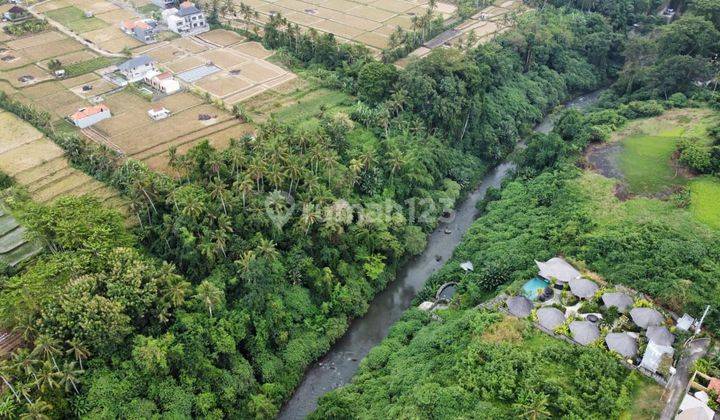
{"x":338,"y":366}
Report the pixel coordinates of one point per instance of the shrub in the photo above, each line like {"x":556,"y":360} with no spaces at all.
{"x":695,"y":156}
{"x":678,"y":100}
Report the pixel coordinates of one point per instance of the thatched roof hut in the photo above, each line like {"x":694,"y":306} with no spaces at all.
{"x":520,"y":306}
{"x":622,"y":343}
{"x":584,"y":332}
{"x":583,"y":288}
{"x":646,"y":317}
{"x":618,"y":300}
{"x":550,"y":317}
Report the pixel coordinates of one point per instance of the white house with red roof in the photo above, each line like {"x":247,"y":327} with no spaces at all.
{"x":163,"y":82}
{"x":85,"y":117}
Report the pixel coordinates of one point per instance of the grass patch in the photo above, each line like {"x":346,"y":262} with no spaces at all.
{"x":149,"y":9}
{"x":646,"y":402}
{"x":705,"y":200}
{"x":74,"y":19}
{"x":645,"y":162}
{"x":88,"y":66}
{"x":311,"y":104}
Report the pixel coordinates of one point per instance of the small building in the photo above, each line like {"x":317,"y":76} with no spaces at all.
{"x":16,"y":14}
{"x":550,"y":318}
{"x":584,"y":332}
{"x":583,"y":288}
{"x":617,"y":300}
{"x":557,"y":269}
{"x":520,"y":306}
{"x":695,"y":407}
{"x":622,"y":343}
{"x":85,"y":117}
{"x":163,"y":82}
{"x":59,"y":73}
{"x":685,"y":322}
{"x":186,"y":20}
{"x":136,"y":68}
{"x":654,"y":355}
{"x":158,"y":113}
{"x":646,"y":317}
{"x":142,"y":30}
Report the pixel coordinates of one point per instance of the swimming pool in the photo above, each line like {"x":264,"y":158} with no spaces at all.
{"x":534,"y":287}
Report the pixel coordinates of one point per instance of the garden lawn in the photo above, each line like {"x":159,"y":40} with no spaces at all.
{"x":646,"y":163}
{"x":705,"y":200}
{"x":74,"y":19}
{"x":310,"y":105}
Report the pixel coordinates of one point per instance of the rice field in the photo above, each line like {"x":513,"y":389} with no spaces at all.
{"x":14,"y":245}
{"x":40,"y":166}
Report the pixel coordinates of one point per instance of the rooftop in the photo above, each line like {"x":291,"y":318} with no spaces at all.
{"x":646,"y":317}
{"x":550,"y":317}
{"x":653,"y":356}
{"x":520,"y":306}
{"x":660,"y":335}
{"x":558,"y":269}
{"x":141,"y":60}
{"x":618,"y":300}
{"x":89,"y":111}
{"x":584,"y":332}
{"x":583,"y":288}
{"x":622,"y":343}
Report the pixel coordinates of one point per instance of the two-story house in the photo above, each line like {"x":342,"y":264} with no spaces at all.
{"x":142,"y":30}
{"x":186,"y":20}
{"x":136,"y":68}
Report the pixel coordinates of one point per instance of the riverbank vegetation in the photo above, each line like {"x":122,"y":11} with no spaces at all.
{"x":481,"y":362}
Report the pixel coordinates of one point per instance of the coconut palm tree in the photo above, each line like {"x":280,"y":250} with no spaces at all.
{"x":217,"y":190}
{"x":47,"y":347}
{"x":36,"y":411}
{"x":67,"y":377}
{"x":209,"y":294}
{"x":78,"y":350}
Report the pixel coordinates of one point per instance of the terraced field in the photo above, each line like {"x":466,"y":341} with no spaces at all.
{"x":14,"y":247}
{"x":40,"y":165}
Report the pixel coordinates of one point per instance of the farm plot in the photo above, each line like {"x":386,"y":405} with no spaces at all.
{"x":221,"y":37}
{"x":367,"y":22}
{"x":135,"y":134}
{"x":40,"y":165}
{"x":75,"y":19}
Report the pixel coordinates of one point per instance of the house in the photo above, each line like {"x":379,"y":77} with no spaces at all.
{"x":617,"y":300}
{"x":186,"y":20}
{"x":519,"y":306}
{"x":85,"y":117}
{"x":16,"y":14}
{"x":158,"y":113}
{"x":646,"y":317}
{"x":695,"y":407}
{"x":136,"y":68}
{"x":164,"y":4}
{"x":584,"y":332}
{"x":142,"y":30}
{"x":550,"y":318}
{"x":622,"y":343}
{"x":162,"y":82}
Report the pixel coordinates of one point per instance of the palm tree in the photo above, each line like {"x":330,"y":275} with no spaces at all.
{"x":309,"y":217}
{"x":176,"y":293}
{"x":267,"y":249}
{"x":36,"y":411}
{"x":47,"y":347}
{"x":78,"y":351}
{"x":217,"y":190}
{"x":68,"y":377}
{"x":46,"y":379}
{"x":209,"y":294}
{"x":245,"y":186}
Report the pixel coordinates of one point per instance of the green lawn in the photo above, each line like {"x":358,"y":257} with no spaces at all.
{"x":309,"y":105}
{"x":646,"y":163}
{"x":74,"y":19}
{"x":87,"y":66}
{"x":705,"y":200}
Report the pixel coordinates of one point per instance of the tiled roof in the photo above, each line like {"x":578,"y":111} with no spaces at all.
{"x":89,"y":111}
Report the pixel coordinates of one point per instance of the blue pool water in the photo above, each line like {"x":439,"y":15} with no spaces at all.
{"x":534,"y":287}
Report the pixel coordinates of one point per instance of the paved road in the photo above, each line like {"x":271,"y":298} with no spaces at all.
{"x":676,"y":387}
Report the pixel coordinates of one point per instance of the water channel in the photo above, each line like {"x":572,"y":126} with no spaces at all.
{"x":338,"y":366}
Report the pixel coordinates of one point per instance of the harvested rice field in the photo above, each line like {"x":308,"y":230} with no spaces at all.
{"x":132,"y":132}
{"x":221,"y":37}
{"x":367,"y":22}
{"x":40,"y":165}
